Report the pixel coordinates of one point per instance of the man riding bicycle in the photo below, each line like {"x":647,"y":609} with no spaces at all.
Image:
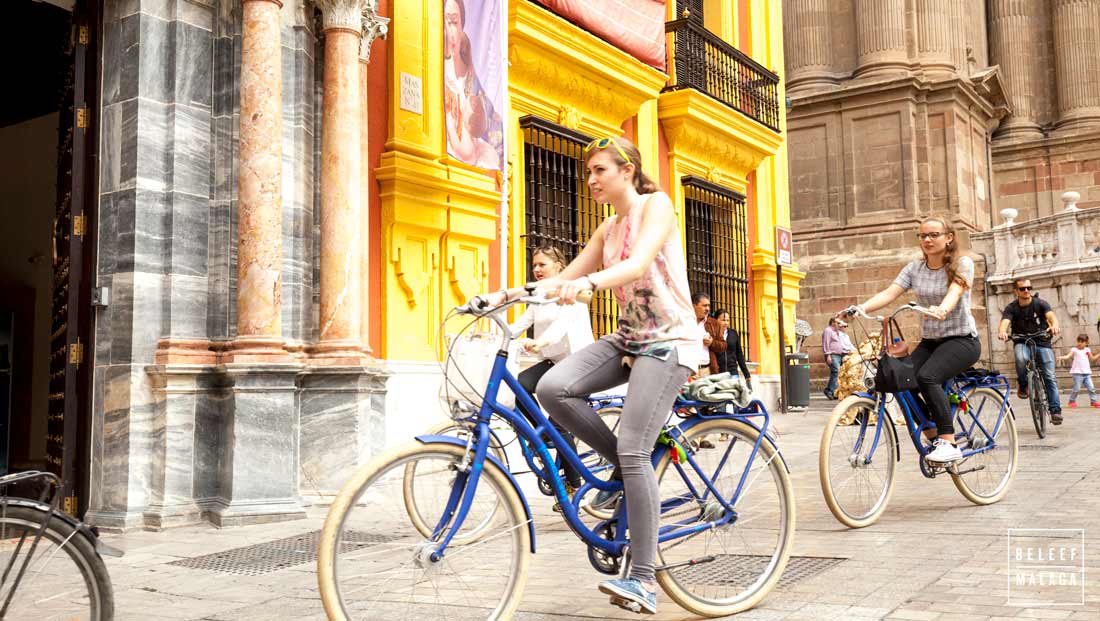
{"x":1028,"y":314}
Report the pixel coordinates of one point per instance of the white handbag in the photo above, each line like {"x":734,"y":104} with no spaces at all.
{"x":470,"y":362}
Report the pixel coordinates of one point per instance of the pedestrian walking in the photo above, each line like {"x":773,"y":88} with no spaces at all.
{"x":834,"y":353}
{"x":1081,"y":370}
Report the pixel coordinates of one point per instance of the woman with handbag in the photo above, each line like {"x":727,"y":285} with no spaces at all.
{"x":941,"y":281}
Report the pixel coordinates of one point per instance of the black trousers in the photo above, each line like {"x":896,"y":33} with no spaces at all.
{"x":936,"y":361}
{"x":529,"y":379}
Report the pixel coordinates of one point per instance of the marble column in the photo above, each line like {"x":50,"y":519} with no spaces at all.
{"x":808,"y":31}
{"x":1015,"y":39}
{"x":880,"y":37}
{"x":936,"y":40}
{"x":1077,"y":61}
{"x":259,"y":187}
{"x":341,"y":213}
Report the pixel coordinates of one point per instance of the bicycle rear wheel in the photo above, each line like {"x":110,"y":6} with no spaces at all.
{"x":1037,"y":398}
{"x":375,"y":563}
{"x":857,"y":484}
{"x":750,"y":552}
{"x":985,"y":476}
{"x":65,"y":579}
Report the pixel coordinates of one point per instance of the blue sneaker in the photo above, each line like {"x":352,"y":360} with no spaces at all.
{"x":605,"y":500}
{"x":630,"y":595}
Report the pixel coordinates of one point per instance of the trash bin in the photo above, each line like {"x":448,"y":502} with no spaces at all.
{"x":798,"y":379}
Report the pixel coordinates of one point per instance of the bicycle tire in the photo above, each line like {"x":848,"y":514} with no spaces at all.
{"x":366,"y":531}
{"x":968,"y":485}
{"x":844,"y":511}
{"x":595,"y":460}
{"x":1037,"y":400}
{"x":16,"y":520}
{"x":759,"y":518}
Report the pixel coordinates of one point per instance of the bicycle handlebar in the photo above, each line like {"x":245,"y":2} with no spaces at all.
{"x":912,"y":306}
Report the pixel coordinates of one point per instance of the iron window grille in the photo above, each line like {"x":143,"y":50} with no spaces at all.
{"x":717,"y":250}
{"x":703,"y":61}
{"x":559,"y":209}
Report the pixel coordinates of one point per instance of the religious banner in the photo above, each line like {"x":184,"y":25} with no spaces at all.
{"x":474,"y":81}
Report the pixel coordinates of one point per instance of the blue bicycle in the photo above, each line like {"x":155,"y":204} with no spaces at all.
{"x":457,"y":543}
{"x":860,"y":446}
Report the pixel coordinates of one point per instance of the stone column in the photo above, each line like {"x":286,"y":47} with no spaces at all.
{"x":808,"y":31}
{"x":880,"y":37}
{"x":259,"y":186}
{"x":1077,"y":60}
{"x":341,"y":230}
{"x":936,"y":40}
{"x":1015,"y":39}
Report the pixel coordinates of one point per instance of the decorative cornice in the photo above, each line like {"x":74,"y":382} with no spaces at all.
{"x":556,"y":62}
{"x":711,"y":134}
{"x":341,"y":14}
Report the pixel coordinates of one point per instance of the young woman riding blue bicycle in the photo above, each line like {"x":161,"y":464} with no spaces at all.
{"x":714,"y":526}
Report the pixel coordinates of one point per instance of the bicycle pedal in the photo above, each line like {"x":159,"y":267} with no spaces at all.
{"x":626,"y":604}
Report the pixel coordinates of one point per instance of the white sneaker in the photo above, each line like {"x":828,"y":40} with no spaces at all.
{"x":945,"y":452}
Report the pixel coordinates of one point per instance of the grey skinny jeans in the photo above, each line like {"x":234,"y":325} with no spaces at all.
{"x":651,"y":392}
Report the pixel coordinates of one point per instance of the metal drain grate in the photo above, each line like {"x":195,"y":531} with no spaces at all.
{"x":741,"y":570}
{"x":264,"y":558}
{"x":1038,"y":447}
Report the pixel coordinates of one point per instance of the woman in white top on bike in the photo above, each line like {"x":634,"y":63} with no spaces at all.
{"x":560,"y":330}
{"x":950,"y":345}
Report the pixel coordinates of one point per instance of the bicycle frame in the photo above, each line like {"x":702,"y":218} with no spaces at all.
{"x":916,"y":420}
{"x":465,"y":488}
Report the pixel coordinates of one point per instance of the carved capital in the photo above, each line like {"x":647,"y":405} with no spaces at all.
{"x":374,"y":27}
{"x":341,"y":14}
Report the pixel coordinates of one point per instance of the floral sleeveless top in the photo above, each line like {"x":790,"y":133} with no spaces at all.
{"x":655,"y":311}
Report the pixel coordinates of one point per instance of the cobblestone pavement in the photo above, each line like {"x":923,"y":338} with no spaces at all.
{"x":933,"y":555}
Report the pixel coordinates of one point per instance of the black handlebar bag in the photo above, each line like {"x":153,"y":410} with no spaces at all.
{"x":895,"y":367}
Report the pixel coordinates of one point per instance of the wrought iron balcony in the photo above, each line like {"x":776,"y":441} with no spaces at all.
{"x":703,"y":61}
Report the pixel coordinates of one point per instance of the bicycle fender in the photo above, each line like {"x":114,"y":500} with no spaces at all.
{"x":496,"y":462}
{"x":89,"y":532}
{"x":658,"y":454}
{"x":893,"y":428}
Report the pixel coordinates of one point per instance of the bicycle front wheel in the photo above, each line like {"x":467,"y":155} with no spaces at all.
{"x":1037,"y":398}
{"x":375,"y":563}
{"x":984,"y":477}
{"x":483,"y":511}
{"x":857,"y":478}
{"x":65,"y":577}
{"x":738,"y":562}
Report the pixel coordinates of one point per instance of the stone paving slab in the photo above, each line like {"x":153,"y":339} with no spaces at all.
{"x":932,"y":556}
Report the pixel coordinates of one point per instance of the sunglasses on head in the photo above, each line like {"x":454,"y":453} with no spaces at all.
{"x":602,"y":143}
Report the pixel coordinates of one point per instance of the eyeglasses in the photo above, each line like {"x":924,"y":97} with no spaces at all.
{"x":602,"y":143}
{"x":1023,"y":288}
{"x":933,"y":235}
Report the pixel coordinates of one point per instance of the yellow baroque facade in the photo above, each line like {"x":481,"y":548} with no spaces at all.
{"x":441,"y":220}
